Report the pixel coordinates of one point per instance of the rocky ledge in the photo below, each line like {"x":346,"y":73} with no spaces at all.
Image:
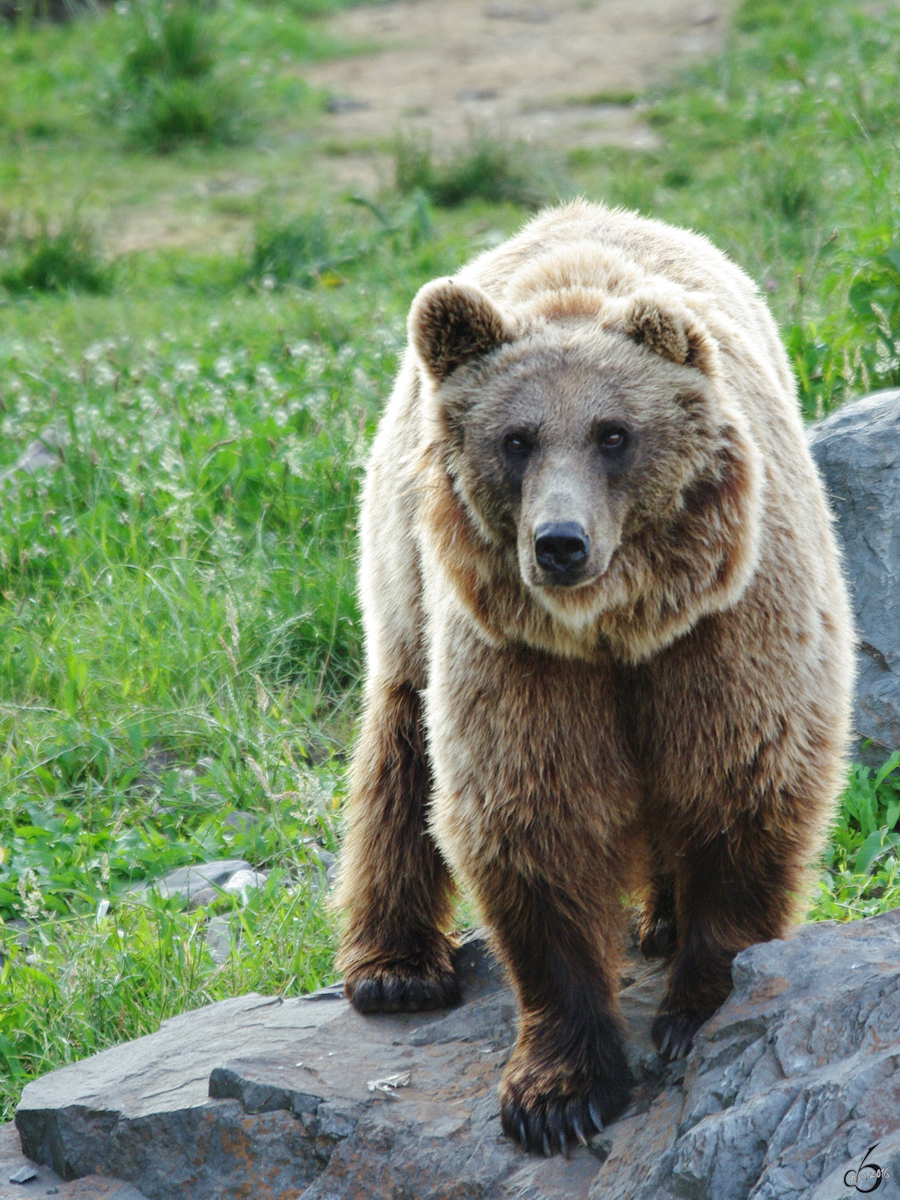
{"x":787,"y":1090}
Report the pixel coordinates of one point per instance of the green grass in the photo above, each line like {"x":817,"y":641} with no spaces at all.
{"x":862,"y":867}
{"x":50,"y":259}
{"x":784,"y":151}
{"x":183,"y":584}
{"x":171,"y":87}
{"x":117,"y":976}
{"x":179,"y":639}
{"x":486,"y":168}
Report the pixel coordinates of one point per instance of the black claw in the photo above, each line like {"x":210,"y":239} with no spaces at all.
{"x":676,"y":1033}
{"x":577,"y":1127}
{"x":678,"y":1039}
{"x":556,"y":1119}
{"x":523,"y":1134}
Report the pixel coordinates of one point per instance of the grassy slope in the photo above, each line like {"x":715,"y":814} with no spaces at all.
{"x":179,"y":641}
{"x":784,"y":151}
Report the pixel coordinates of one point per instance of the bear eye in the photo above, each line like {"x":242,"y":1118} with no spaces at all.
{"x":518,"y":445}
{"x":612,"y":440}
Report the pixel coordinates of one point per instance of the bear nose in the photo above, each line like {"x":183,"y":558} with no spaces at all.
{"x":561,"y":547}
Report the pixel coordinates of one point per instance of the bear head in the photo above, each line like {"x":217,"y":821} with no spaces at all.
{"x":603,"y":483}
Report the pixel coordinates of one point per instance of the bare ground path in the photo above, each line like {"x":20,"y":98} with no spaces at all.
{"x":559,"y":73}
{"x":549,"y":71}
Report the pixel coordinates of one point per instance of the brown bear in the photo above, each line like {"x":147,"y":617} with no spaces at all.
{"x":609,"y":648}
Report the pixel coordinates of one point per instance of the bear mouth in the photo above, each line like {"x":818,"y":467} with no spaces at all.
{"x":573,"y":605}
{"x":568,"y":582}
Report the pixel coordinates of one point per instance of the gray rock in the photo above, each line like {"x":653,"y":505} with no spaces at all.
{"x":24,"y":1174}
{"x":202,"y":882}
{"x":221,"y":936}
{"x":268,"y":1097}
{"x":857,"y":450}
{"x":45,"y":1182}
{"x":789,"y":1085}
{"x":239,"y":883}
{"x":141,"y":1111}
{"x":327,"y":860}
{"x":46,"y":451}
{"x":241,"y":821}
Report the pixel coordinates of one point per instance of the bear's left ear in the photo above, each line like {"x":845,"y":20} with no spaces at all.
{"x":451,"y":324}
{"x":671,"y":332}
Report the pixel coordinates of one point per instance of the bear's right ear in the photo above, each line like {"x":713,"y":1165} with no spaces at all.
{"x":451,"y":324}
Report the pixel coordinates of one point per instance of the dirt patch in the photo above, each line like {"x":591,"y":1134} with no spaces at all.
{"x":163,"y":225}
{"x":557,"y":71}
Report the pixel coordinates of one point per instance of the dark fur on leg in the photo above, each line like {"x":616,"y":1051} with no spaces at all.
{"x":731,"y":892}
{"x":394,"y":884}
{"x":568,"y":1076}
{"x":659,"y":928}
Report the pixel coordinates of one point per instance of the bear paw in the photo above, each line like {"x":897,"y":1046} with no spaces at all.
{"x":550,"y":1113}
{"x":673,"y":1032}
{"x":398,"y":989}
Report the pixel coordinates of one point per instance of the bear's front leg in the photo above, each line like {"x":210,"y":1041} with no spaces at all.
{"x":394,"y":886}
{"x":537,"y":808}
{"x":731,"y":890}
{"x":568,"y":1075}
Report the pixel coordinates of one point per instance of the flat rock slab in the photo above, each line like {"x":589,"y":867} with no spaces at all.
{"x":279,"y":1099}
{"x":42,"y":1181}
{"x":788,"y":1087}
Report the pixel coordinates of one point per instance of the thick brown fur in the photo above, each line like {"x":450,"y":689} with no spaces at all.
{"x":609,"y":649}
